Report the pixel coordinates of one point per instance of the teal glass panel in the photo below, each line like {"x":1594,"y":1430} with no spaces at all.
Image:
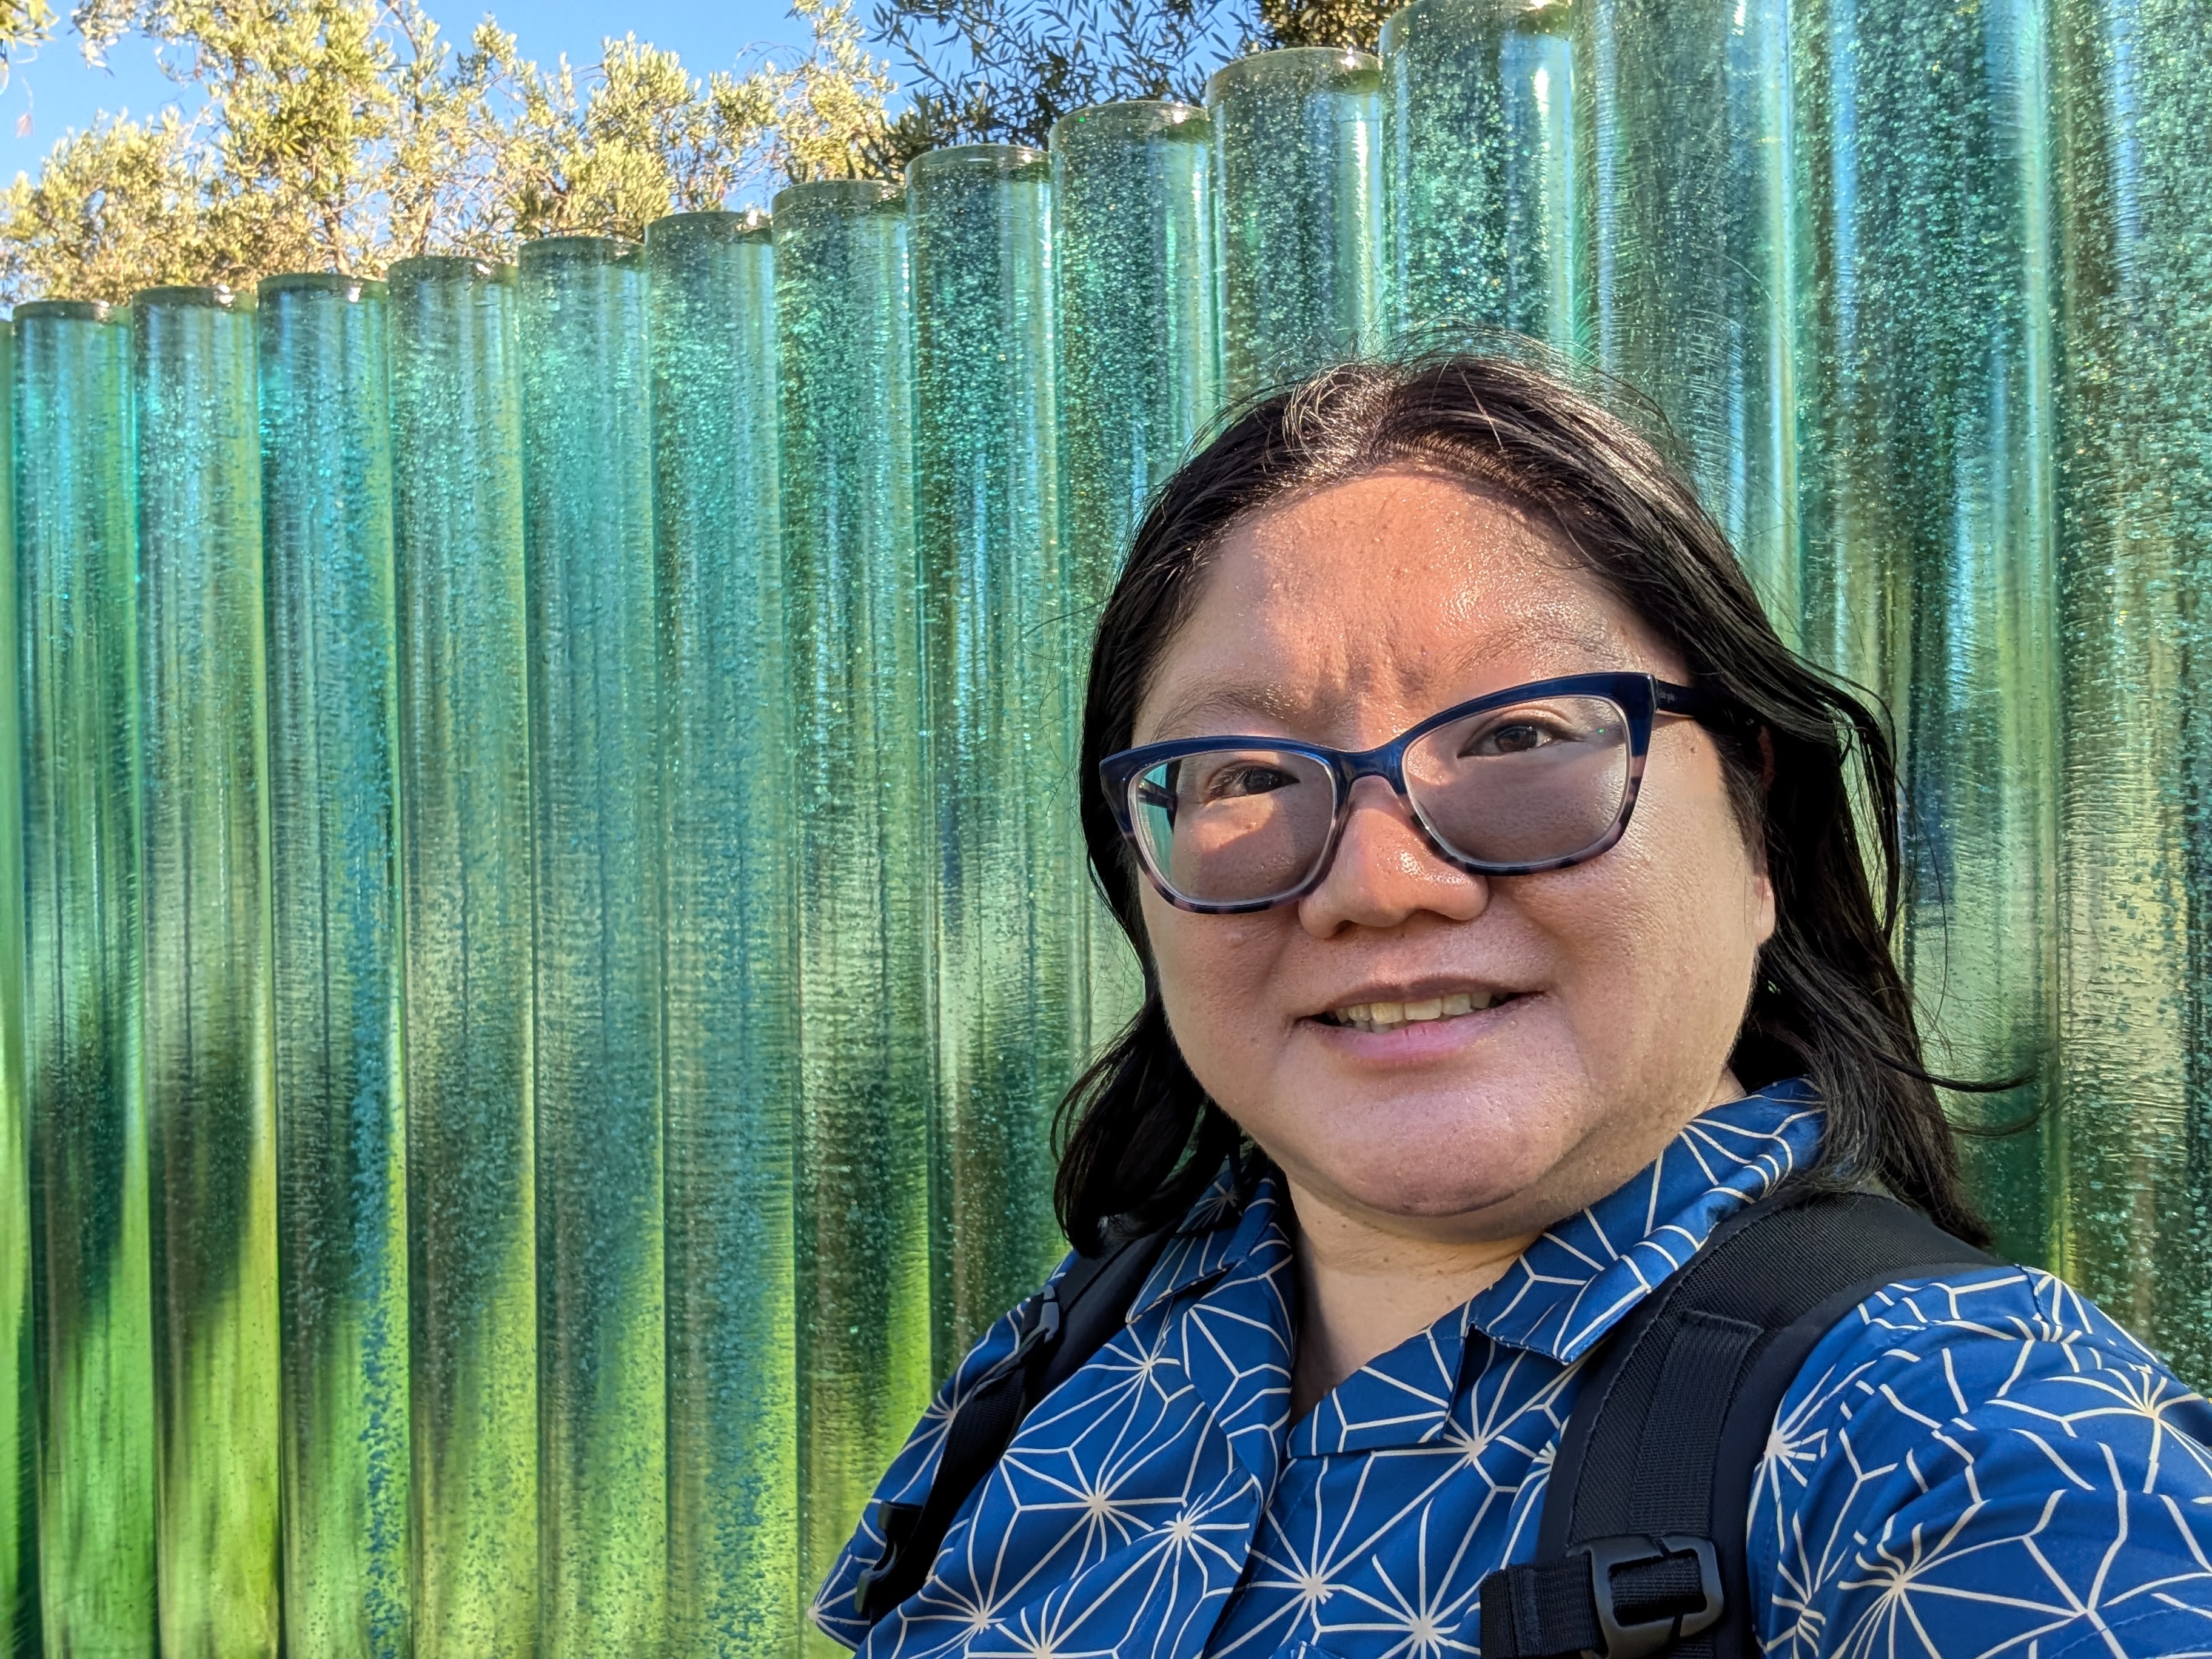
{"x":1297,"y":137}
{"x":1926,"y":500}
{"x":588,"y":539}
{"x":464,"y":753}
{"x":733,"y":1058}
{"x":1000,"y":651}
{"x":1478,"y":125}
{"x":852,"y":593}
{"x":19,"y":1551}
{"x":2133,"y":106}
{"x":76,"y":573}
{"x":1683,"y":173}
{"x":204,"y":892}
{"x":334,"y":898}
{"x":1138,"y":373}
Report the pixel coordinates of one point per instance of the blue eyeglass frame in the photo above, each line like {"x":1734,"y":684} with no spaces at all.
{"x":1641,"y":698}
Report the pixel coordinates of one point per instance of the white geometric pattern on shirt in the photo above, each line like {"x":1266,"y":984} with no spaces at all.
{"x":1985,"y":1465}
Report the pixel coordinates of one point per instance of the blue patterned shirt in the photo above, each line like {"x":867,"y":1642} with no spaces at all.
{"x":1982,"y":1464}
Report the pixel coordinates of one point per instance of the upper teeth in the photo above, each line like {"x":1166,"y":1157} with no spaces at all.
{"x":1387,"y":1016}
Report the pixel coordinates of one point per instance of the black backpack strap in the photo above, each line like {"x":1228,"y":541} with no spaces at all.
{"x":1059,"y":1328}
{"x":1642,"y":1548}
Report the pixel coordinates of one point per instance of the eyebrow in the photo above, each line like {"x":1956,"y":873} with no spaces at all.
{"x":1217,"y":707}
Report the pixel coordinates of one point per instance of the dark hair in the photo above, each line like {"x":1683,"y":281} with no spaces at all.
{"x":1141,"y":1140}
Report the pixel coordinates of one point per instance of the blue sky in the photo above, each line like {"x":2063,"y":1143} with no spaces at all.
{"x":59,"y":90}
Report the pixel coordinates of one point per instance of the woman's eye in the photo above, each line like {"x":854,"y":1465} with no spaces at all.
{"x":1508,"y":738}
{"x":1256,"y":779}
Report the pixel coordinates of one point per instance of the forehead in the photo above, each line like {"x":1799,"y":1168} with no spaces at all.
{"x":1375,"y":602}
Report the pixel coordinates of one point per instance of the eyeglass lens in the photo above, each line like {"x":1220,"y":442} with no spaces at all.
{"x":1527,"y":784}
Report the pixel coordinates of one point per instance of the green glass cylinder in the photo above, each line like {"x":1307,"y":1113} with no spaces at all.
{"x":1000,"y":654}
{"x":464,"y":757}
{"x":1297,"y":137}
{"x":588,"y":540}
{"x":76,"y":574}
{"x":852,"y":592}
{"x":731,"y":950}
{"x":19,"y":1520}
{"x":1682,"y":166}
{"x":1926,"y":476}
{"x":1477,"y":131}
{"x":1138,"y":372}
{"x":464,"y":748}
{"x":2132,"y":108}
{"x":334,"y":899}
{"x":204,"y":896}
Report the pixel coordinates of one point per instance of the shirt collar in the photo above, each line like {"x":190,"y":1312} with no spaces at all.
{"x":1216,"y":1235}
{"x":1574,"y":1283}
{"x":1563,"y":1293}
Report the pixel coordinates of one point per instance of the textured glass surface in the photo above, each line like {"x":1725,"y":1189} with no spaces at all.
{"x":334,"y":899}
{"x":1683,"y":174}
{"x":204,"y":896}
{"x":76,"y":567}
{"x":587,"y":538}
{"x":1298,"y":144}
{"x":732,"y":1062}
{"x":852,"y":588}
{"x":999,"y":651}
{"x":2134,"y":105}
{"x":465,"y":795}
{"x":19,"y":1564}
{"x":1924,"y":263}
{"x":1139,"y":371}
{"x":1478,"y":125}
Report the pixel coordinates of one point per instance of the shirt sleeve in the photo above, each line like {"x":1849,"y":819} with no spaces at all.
{"x":906,"y":1480}
{"x":1984,"y":1464}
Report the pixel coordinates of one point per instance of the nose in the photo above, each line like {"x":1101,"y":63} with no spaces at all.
{"x":1385,"y":872}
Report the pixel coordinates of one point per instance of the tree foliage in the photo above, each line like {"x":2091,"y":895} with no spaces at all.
{"x":1002,"y":71}
{"x":341,"y":135}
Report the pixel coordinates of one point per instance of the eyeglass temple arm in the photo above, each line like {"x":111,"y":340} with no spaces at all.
{"x":1707,"y":708}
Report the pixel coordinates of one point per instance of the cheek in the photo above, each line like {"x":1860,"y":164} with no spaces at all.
{"x":1213,"y":974}
{"x":1663,"y":932}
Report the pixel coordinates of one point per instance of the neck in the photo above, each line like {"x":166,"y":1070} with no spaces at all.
{"x":1364,"y":1290}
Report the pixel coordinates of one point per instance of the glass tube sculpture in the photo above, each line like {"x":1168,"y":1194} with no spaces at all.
{"x":1297,"y":137}
{"x":1926,"y":479}
{"x":2132,"y":106}
{"x":463,"y":759}
{"x":1138,"y":372}
{"x":19,"y":1522}
{"x":1478,"y":147}
{"x":1000,"y":655}
{"x":733,"y":1058}
{"x":334,"y":889}
{"x":1683,"y":177}
{"x":852,"y":589}
{"x":204,"y":875}
{"x":587,"y":541}
{"x":77,"y":570}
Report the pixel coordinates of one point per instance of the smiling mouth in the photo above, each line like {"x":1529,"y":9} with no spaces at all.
{"x":1395,"y":1016}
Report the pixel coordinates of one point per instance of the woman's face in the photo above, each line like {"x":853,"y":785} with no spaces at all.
{"x":1615,"y":987}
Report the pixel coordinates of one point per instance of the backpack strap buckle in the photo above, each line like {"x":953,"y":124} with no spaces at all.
{"x":1667,"y":1588}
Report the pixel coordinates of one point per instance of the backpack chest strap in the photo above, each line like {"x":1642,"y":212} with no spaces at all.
{"x":1641,"y":1547}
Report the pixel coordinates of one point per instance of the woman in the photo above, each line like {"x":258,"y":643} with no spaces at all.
{"x":1440,"y":1078}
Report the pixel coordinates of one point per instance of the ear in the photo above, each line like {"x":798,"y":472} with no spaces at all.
{"x":1764,"y":911}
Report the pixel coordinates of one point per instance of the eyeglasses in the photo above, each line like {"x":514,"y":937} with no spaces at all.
{"x":1536,"y":777}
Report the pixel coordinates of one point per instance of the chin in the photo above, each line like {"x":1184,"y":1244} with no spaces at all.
{"x":1412,"y":1159}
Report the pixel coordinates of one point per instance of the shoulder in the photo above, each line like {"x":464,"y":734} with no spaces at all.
{"x":1979,"y":1460}
{"x":908,"y":1479}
